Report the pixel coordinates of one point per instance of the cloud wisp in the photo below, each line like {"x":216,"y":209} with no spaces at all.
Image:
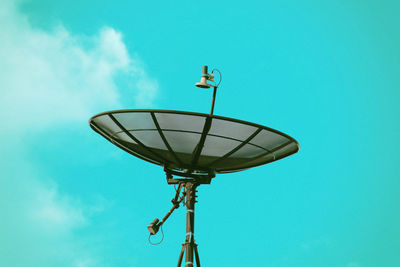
{"x":57,"y":76}
{"x":48,"y":79}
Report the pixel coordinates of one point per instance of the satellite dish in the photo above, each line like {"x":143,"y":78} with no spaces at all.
{"x":194,"y":146}
{"x":191,"y":142}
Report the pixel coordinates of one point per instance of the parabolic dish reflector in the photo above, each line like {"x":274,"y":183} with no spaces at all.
{"x":200,"y":143}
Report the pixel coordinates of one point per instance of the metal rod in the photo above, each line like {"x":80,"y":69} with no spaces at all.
{"x":213,"y":100}
{"x":189,"y":248}
{"x":242,"y":144}
{"x":151,"y":151}
{"x":189,"y":241}
{"x":174,"y":207}
{"x":160,"y":132}
{"x":196,"y":254}
{"x":197,"y":151}
{"x":181,"y":256}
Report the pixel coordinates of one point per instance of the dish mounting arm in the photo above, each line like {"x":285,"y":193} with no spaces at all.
{"x":155,"y":225}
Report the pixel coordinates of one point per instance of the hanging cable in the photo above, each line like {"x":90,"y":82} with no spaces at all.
{"x":220,"y":76}
{"x":159,"y":242}
{"x":156,"y":224}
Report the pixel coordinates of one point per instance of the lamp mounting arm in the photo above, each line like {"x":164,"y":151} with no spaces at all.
{"x":155,"y":225}
{"x":205,"y":76}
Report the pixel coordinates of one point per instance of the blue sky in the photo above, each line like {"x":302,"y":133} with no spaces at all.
{"x":324,"y":72}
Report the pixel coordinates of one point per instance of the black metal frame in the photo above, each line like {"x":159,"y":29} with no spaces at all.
{"x":188,"y":177}
{"x":194,"y":114}
{"x":187,"y":131}
{"x":137,"y":140}
{"x":242,"y":144}
{"x":97,"y":129}
{"x":164,"y":139}
{"x":197,"y":151}
{"x":190,"y":168}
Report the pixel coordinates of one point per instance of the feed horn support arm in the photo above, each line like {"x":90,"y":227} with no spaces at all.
{"x":189,"y":247}
{"x":155,"y":225}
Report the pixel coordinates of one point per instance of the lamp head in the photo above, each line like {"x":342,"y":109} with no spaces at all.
{"x":205,"y":76}
{"x":203,"y":83}
{"x":153,"y":227}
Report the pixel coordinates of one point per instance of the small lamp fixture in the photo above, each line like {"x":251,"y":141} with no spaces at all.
{"x":154,"y":226}
{"x":205,"y":76}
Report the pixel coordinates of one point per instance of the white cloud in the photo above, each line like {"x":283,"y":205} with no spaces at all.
{"x":51,"y":210}
{"x":48,"y":79}
{"x":38,"y":223}
{"x":51,"y":77}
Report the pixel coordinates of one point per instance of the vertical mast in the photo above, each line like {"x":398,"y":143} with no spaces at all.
{"x":189,"y":241}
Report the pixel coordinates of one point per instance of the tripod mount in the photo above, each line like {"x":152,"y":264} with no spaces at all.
{"x":188,"y":183}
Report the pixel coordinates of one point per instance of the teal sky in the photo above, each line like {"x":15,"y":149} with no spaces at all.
{"x":324,"y":72}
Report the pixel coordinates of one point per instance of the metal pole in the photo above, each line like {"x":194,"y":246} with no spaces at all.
{"x":213,"y":100}
{"x":189,"y":241}
{"x":196,"y":254}
{"x":181,"y":255}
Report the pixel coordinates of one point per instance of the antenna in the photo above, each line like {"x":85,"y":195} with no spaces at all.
{"x":192,"y":148}
{"x":205,"y":76}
